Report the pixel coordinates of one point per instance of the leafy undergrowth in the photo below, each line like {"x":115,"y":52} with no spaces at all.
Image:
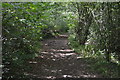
{"x":106,"y":69}
{"x":96,"y":59}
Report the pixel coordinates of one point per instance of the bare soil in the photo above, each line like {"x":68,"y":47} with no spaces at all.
{"x":57,"y":60}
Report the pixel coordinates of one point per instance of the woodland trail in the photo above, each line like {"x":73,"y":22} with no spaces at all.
{"x":57,"y":60}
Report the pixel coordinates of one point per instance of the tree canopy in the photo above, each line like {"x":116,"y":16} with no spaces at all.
{"x":94,"y":29}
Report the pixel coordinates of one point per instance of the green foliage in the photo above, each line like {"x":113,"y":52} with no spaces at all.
{"x":98,"y":27}
{"x":104,"y":34}
{"x":21,"y":37}
{"x":24,"y":26}
{"x":106,"y":69}
{"x":93,"y":27}
{"x":101,"y":40}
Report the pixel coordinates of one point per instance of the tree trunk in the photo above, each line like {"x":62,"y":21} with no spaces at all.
{"x":84,"y":22}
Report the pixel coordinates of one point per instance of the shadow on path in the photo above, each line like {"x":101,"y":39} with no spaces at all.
{"x":57,"y":60}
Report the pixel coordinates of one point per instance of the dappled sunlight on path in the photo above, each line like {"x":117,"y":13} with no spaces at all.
{"x":57,"y":60}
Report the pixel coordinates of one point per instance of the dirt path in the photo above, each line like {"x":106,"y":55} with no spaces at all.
{"x":57,"y":60}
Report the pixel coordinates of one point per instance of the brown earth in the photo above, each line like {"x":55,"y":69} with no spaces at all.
{"x":57,"y":60}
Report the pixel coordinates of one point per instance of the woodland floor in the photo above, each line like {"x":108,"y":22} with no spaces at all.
{"x":57,"y":60}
